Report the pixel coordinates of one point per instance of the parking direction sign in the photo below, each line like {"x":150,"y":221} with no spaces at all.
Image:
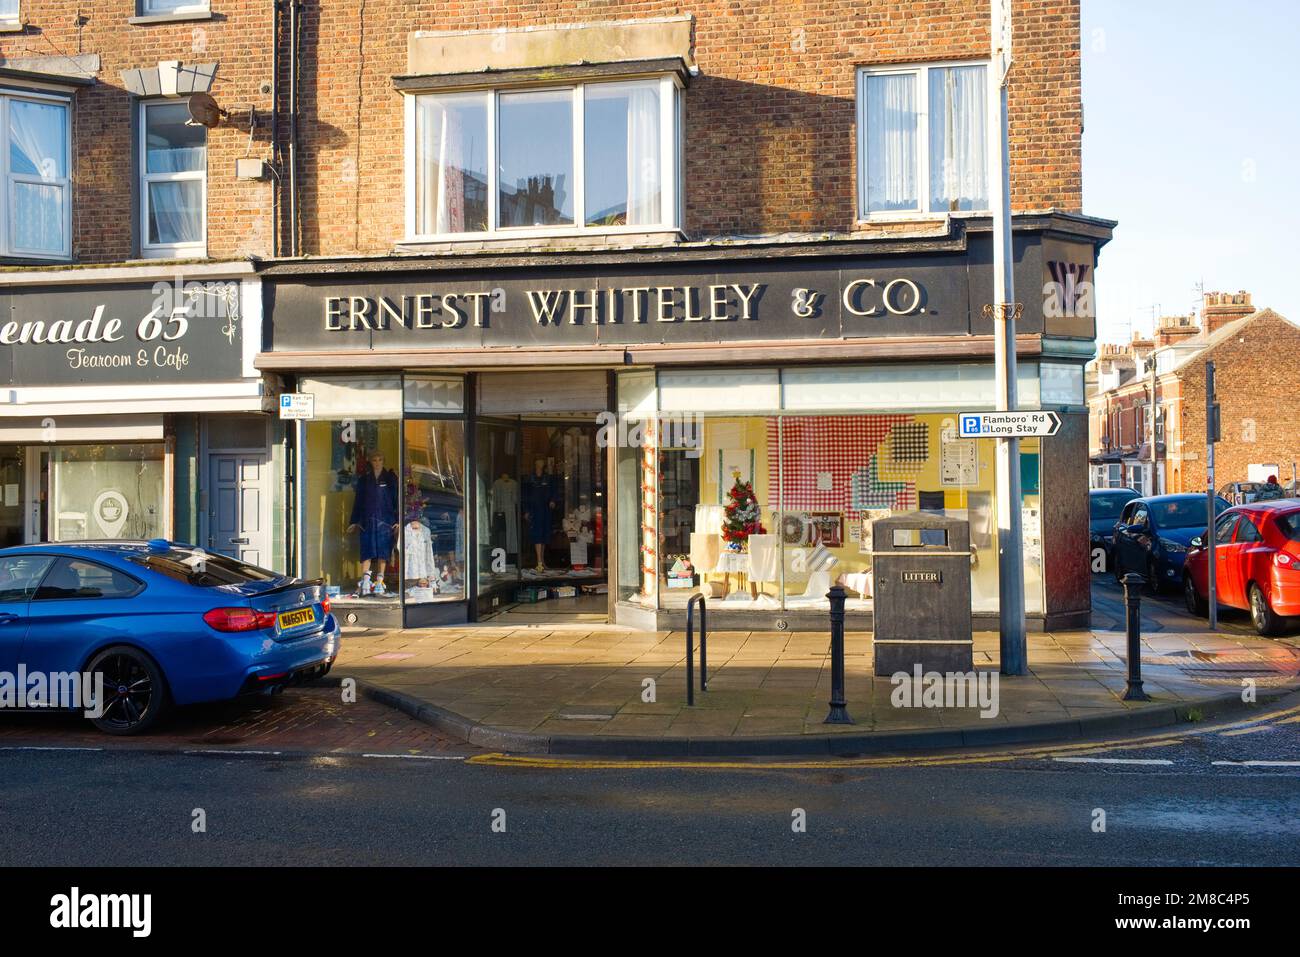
{"x":1007,"y":425}
{"x":297,"y":405}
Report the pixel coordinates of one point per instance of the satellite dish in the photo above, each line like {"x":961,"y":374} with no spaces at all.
{"x":204,"y":110}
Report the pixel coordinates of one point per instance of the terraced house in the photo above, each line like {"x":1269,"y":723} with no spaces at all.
{"x":554,"y":286}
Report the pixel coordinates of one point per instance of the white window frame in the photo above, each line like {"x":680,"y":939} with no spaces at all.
{"x":922,"y":73}
{"x":7,"y":247}
{"x":148,"y":250}
{"x":12,"y":21}
{"x":164,"y":8}
{"x":671,"y":124}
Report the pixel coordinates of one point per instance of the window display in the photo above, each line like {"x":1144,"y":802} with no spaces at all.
{"x":351,"y":508}
{"x":108,"y":491}
{"x":433,"y":525}
{"x":777,"y":508}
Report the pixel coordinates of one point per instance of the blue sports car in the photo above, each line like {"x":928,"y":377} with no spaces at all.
{"x":162,"y":623}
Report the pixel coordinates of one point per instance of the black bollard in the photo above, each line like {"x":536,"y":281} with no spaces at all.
{"x":1133,"y":583}
{"x":839,"y":713}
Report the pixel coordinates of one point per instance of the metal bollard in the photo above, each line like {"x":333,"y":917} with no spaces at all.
{"x":839,"y":713}
{"x":690,"y":647}
{"x":1133,"y":583}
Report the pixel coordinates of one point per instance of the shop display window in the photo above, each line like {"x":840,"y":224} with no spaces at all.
{"x":108,"y":491}
{"x":351,"y":507}
{"x":770,"y":511}
{"x":432,"y":566}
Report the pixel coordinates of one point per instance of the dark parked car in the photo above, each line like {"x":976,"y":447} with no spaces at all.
{"x":1153,"y":533}
{"x":1244,"y":493}
{"x":1104,"y":507}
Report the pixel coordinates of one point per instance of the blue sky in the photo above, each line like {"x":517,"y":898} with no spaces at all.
{"x":1192,"y":141}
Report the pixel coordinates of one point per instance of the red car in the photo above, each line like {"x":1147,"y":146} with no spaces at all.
{"x":1257,"y":563}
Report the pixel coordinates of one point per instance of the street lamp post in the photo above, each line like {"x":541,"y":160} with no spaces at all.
{"x":1011,"y":581}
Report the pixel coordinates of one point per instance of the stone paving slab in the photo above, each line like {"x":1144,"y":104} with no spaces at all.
{"x":538,"y":683}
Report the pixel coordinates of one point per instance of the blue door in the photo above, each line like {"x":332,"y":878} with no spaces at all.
{"x":19,"y":576}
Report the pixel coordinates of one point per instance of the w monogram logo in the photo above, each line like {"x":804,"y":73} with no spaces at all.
{"x":1069,"y":294}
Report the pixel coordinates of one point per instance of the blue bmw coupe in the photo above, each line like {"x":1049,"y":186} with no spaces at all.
{"x":161,"y":623}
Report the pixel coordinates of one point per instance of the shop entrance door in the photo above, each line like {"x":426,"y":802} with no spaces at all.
{"x":542,"y":518}
{"x":238,"y":511}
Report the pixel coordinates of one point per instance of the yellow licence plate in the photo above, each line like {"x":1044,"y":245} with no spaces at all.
{"x":292,"y":619}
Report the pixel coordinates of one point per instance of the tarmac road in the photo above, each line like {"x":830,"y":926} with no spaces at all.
{"x":1190,"y":800}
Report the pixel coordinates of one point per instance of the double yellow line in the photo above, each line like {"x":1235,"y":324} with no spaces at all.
{"x":1167,"y":739}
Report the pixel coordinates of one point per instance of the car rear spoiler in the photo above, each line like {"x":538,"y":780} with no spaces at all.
{"x":292,"y":583}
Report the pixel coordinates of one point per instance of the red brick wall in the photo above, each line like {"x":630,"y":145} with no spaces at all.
{"x":1255,"y":383}
{"x":239,"y":38}
{"x":770,"y":140}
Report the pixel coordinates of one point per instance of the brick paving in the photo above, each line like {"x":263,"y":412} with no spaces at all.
{"x":301,"y":719}
{"x":579,"y":679}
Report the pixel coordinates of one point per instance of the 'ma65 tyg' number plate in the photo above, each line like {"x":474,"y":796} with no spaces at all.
{"x":292,"y":619}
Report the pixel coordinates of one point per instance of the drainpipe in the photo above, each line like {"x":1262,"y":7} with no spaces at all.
{"x":294,"y":6}
{"x":275,"y":128}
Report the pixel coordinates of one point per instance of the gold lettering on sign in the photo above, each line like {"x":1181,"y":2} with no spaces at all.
{"x":548,"y":307}
{"x":333,"y":313}
{"x":746,"y":299}
{"x":575,"y":304}
{"x":666,"y":303}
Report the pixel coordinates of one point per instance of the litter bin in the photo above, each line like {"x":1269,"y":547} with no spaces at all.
{"x":921,"y":568}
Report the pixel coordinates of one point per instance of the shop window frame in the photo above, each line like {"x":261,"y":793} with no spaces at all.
{"x":671,"y":162}
{"x":778,"y":505}
{"x":403,"y":507}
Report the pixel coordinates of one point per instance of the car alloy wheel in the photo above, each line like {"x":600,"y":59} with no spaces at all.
{"x":1154,"y":584}
{"x":1196,"y":605}
{"x":1261,"y":615}
{"x":135,"y":695}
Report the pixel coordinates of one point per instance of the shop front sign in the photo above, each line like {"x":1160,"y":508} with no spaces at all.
{"x":121,"y":334}
{"x":732,"y":300}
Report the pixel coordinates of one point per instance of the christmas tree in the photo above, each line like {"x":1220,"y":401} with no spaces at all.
{"x":741,"y":515}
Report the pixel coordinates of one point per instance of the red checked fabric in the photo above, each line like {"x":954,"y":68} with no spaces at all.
{"x":854,"y":449}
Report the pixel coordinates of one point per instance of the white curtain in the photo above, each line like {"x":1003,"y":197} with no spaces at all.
{"x":37,"y":137}
{"x":891,"y":143}
{"x":958,"y":139}
{"x":643,"y":173}
{"x":176,"y":212}
{"x":444,"y":194}
{"x":452,"y":162}
{"x":38,"y":148}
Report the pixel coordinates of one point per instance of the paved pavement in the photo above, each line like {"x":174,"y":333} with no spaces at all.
{"x":569,"y":687}
{"x":1212,"y":794}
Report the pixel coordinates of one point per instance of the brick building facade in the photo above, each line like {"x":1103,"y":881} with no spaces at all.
{"x":478,"y":229}
{"x":770,"y":118}
{"x":1251,"y":350}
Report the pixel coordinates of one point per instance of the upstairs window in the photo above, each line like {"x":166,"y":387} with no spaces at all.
{"x":922,"y":140}
{"x":173,"y":181}
{"x":159,"y":8}
{"x":9,"y":14}
{"x":587,"y":157}
{"x":37,"y":202}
